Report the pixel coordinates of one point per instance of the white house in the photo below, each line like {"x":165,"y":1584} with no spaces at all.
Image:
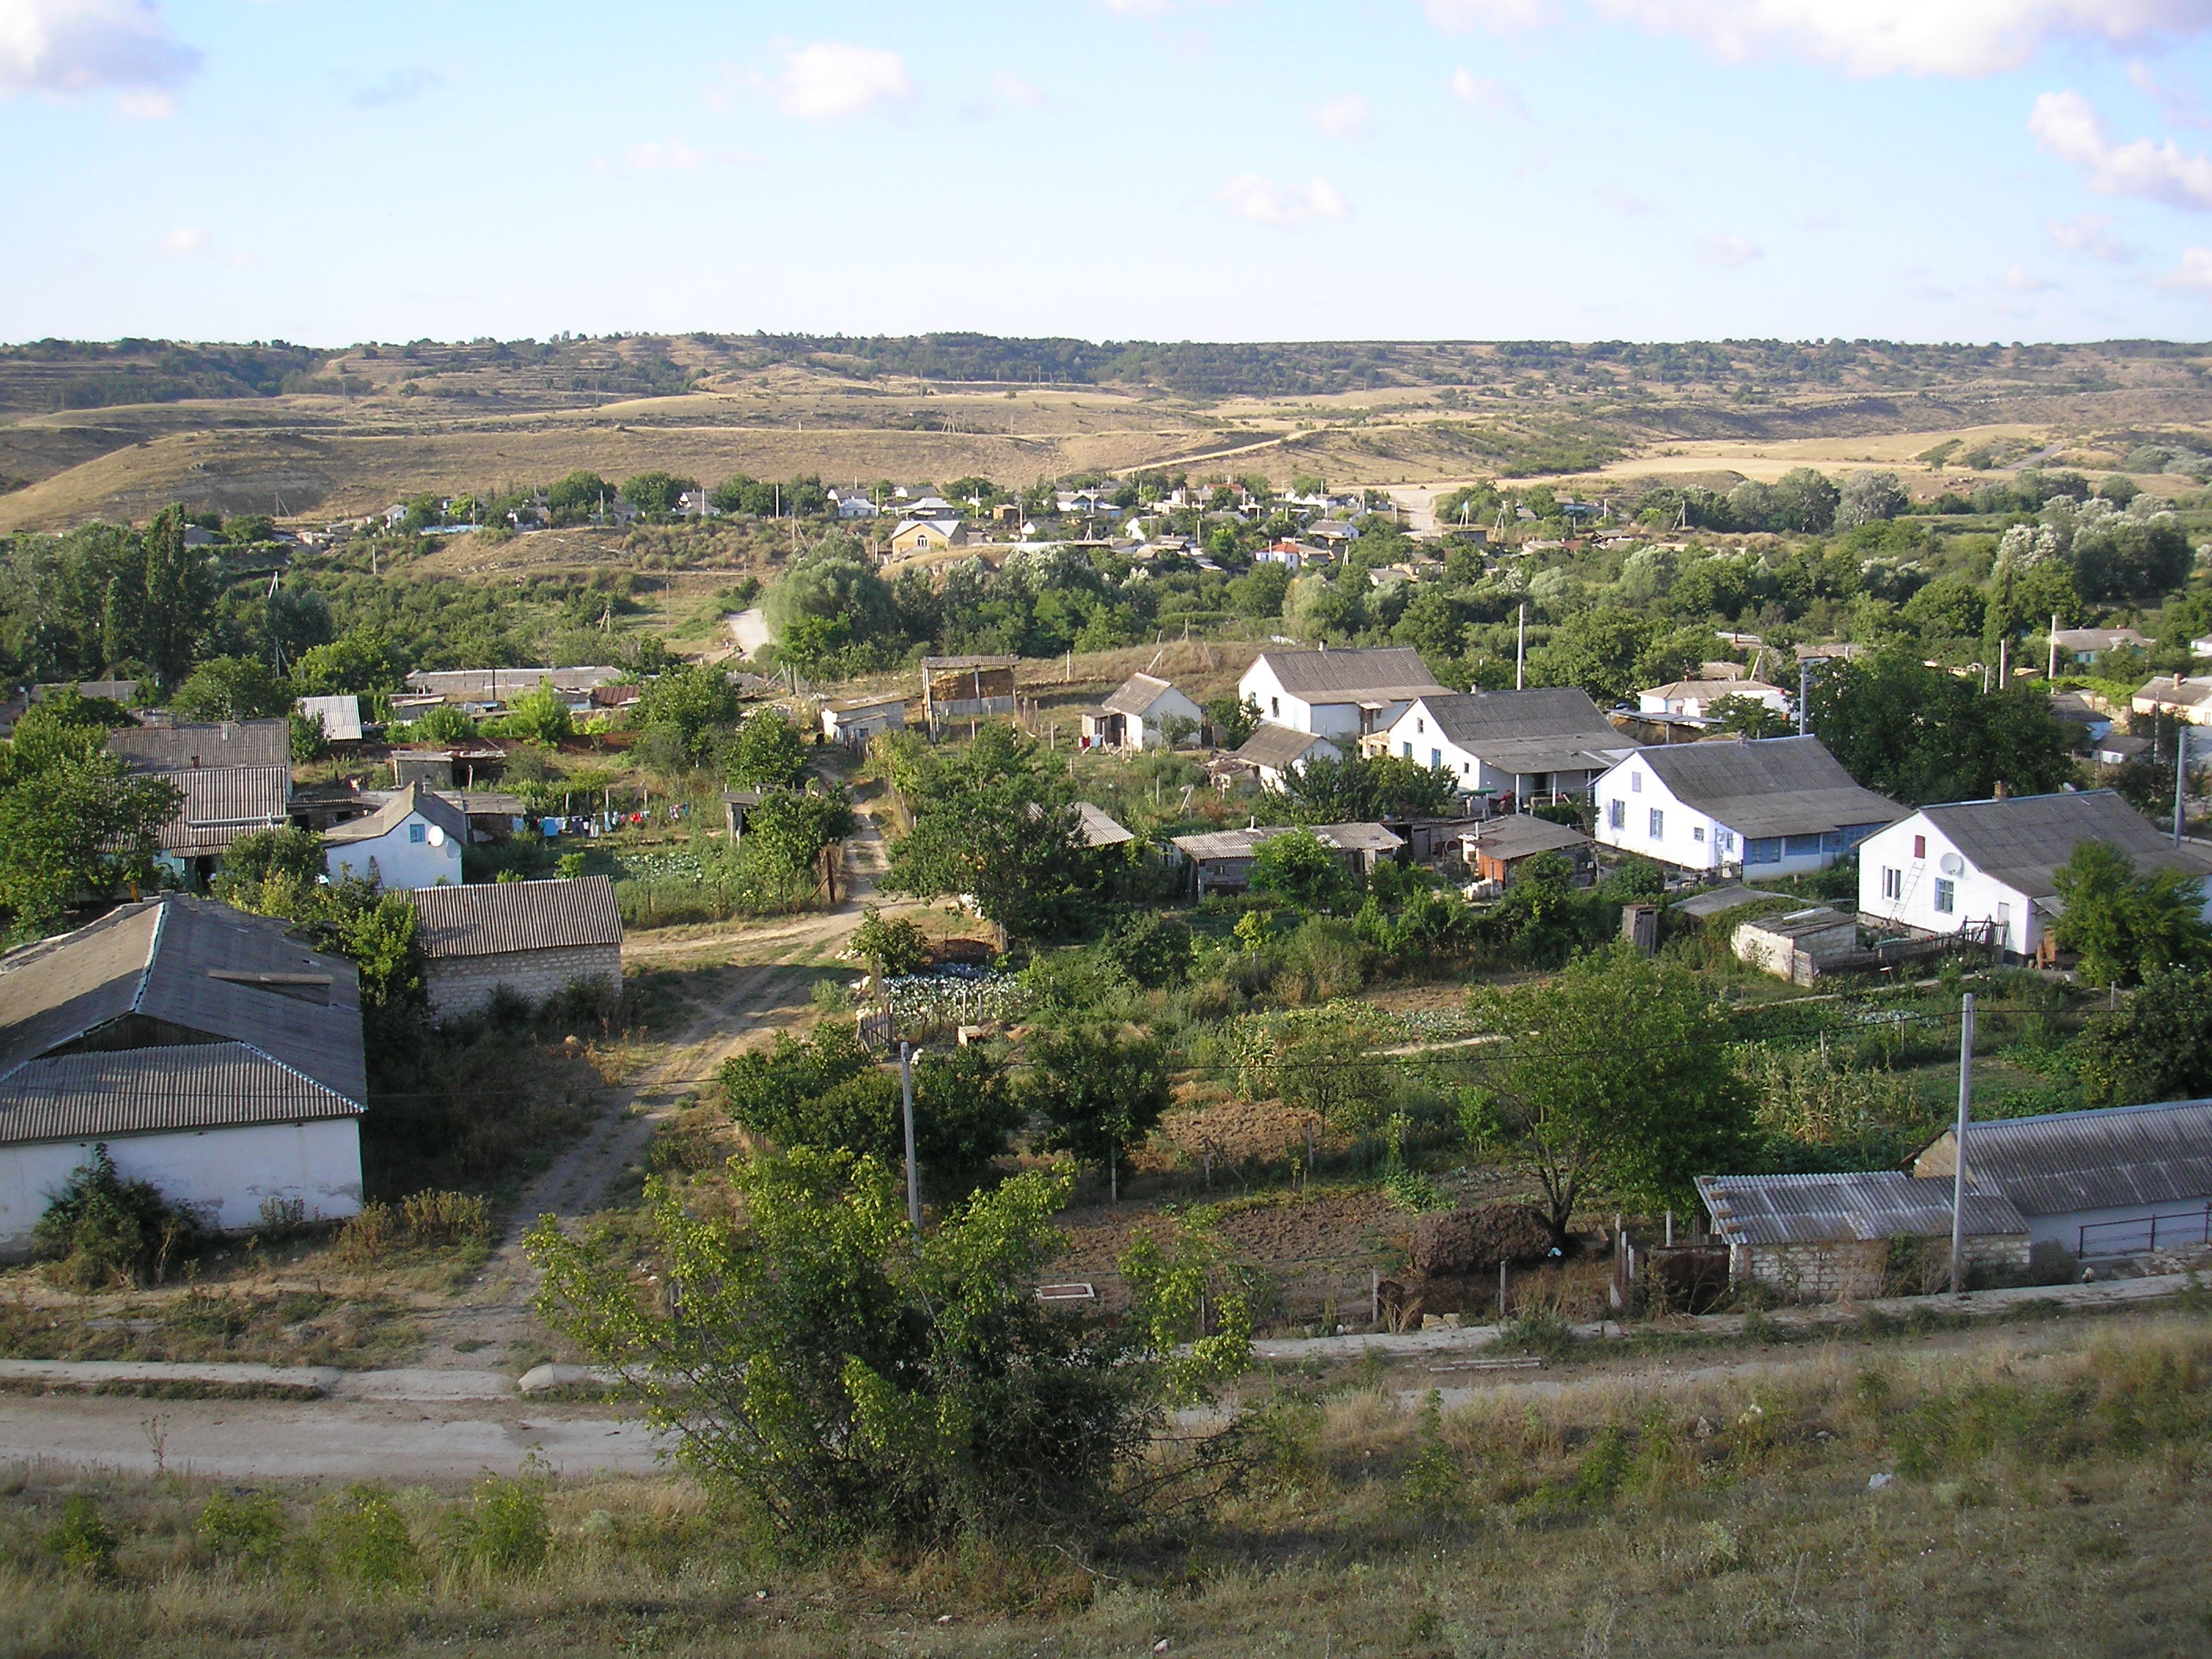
{"x":1131,"y":718}
{"x":1549,"y":741}
{"x":413,"y":840}
{"x":2188,"y":698}
{"x":1276,"y":753}
{"x":853,"y":720}
{"x":1767,"y":806}
{"x":1694,"y":699}
{"x":1336,"y":694}
{"x":2086,"y":645}
{"x":1986,"y":868}
{"x":210,"y":1053}
{"x":853,"y":503}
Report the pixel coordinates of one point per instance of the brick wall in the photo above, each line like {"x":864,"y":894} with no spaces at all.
{"x":462,"y":985}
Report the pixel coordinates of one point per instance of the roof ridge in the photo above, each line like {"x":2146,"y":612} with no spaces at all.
{"x":153,"y":953}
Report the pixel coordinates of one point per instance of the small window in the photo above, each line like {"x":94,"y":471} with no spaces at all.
{"x":1274,"y":705}
{"x":1698,"y":832}
{"x":1420,"y":724}
{"x":1920,"y":847}
{"x":1947,"y":897}
{"x":1407,"y":749}
{"x":1658,"y":824}
{"x":416,"y":832}
{"x":1616,"y":814}
{"x":1436,"y":757}
{"x":1636,"y":783}
{"x":1893,"y":885}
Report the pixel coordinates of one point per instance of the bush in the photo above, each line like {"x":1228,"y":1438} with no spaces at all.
{"x":503,"y":1532}
{"x":84,"y":1542}
{"x":425,"y":1221}
{"x":891,"y":949}
{"x":363,"y":1538}
{"x":105,"y":1228}
{"x":247,"y":1528}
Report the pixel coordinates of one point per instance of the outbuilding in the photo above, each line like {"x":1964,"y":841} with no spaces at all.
{"x":2114,"y":1181}
{"x":1498,"y":849}
{"x":852,"y":721}
{"x":1849,"y":1237}
{"x":1276,"y":753}
{"x":1798,"y":945}
{"x":211,"y":1054}
{"x":534,"y":937}
{"x":235,"y":777}
{"x":1134,"y":716}
{"x":414,"y":840}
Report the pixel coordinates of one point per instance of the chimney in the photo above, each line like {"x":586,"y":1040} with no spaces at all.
{"x":2001,"y":789}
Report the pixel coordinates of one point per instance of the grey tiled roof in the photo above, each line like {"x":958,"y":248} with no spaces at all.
{"x":201,"y":1086}
{"x":1838,"y":1209}
{"x":2109,"y":1158}
{"x":436,"y":808}
{"x":1395,"y":674}
{"x":185,"y":748}
{"x":1136,"y":694}
{"x":2023,"y":841}
{"x":1768,"y":786}
{"x":496,"y":917}
{"x":1475,"y":719}
{"x":1277,"y":746}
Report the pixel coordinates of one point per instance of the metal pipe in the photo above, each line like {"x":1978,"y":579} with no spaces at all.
{"x":1959,"y":1163}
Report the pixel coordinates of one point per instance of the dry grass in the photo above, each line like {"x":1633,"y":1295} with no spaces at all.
{"x":2047,"y":1498}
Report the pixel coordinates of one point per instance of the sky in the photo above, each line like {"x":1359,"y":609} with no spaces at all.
{"x":1113,"y":169}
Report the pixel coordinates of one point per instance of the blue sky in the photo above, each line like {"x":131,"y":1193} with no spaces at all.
{"x":1167,"y":169}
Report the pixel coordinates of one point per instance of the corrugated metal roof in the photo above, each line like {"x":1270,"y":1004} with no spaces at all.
{"x":1835,"y":1209}
{"x":1278,"y":747}
{"x":2023,"y":841}
{"x":1711,"y":904}
{"x":931,"y":665}
{"x":139,"y":1091}
{"x":222,"y":803}
{"x":1098,"y":829}
{"x":198,"y":966}
{"x":1344,"y":675}
{"x":1518,"y":835}
{"x":1220,"y":844}
{"x":1768,"y":786}
{"x":185,"y":747}
{"x":340,"y":716}
{"x":1474,"y":720}
{"x":1136,"y":694}
{"x":499,"y":684}
{"x":2107,"y":1158}
{"x":496,"y":917}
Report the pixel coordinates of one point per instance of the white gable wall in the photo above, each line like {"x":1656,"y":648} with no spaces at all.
{"x":1324,"y":719}
{"x":1170,"y":705}
{"x":400,"y":860}
{"x":226,"y":1173}
{"x":1414,"y":735}
{"x":1902,"y":880}
{"x":1628,"y":798}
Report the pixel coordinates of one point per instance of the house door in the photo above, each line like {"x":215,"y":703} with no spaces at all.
{"x":2004,"y":927}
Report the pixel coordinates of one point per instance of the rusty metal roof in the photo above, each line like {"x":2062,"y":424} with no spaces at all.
{"x":1836,"y":1209}
{"x":201,"y":1086}
{"x":496,"y":917}
{"x":2109,"y":1157}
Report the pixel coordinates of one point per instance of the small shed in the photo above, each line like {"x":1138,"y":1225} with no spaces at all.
{"x":1497,"y":850}
{"x":535,"y":938}
{"x":2109,"y":1181}
{"x":853,"y":720}
{"x":1798,"y":947}
{"x":966,"y":688}
{"x":1099,"y":829}
{"x":1847,"y":1236}
{"x":339,"y":717}
{"x":1132,"y":716}
{"x":736,"y":804}
{"x":1221,"y":859}
{"x":431,"y":768}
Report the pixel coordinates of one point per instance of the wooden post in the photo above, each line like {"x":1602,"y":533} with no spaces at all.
{"x":1374,"y":1296}
{"x":1501,"y":1290}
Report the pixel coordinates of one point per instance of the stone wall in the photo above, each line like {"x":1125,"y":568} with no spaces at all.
{"x":1856,"y":1270}
{"x":462,"y":985}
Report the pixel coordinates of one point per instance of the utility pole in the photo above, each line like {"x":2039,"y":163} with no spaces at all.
{"x":1804,"y":690}
{"x":1959,"y":1164}
{"x":912,"y":1175}
{"x":2180,"y":772}
{"x":1521,"y":651}
{"x":2051,"y":673}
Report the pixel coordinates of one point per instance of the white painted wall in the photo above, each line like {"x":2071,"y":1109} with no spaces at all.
{"x":1327,"y":719}
{"x":1629,"y":795}
{"x":1169,"y":705}
{"x":1414,"y":735}
{"x":1914,"y":850}
{"x":401,"y":860}
{"x":229,"y":1171}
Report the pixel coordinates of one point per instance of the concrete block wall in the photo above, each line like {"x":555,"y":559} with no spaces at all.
{"x":462,"y":985}
{"x":1854,"y":1270}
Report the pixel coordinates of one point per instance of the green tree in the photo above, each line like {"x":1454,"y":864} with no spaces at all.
{"x":2126,"y":922}
{"x":1749,"y":717}
{"x":1099,"y":1093}
{"x":270,"y":872}
{"x":232,"y":689}
{"x":1259,"y":591}
{"x":1870,"y":498}
{"x":448,"y":723}
{"x":766,"y":753}
{"x":995,"y":819}
{"x":178,"y":592}
{"x":1613,"y":1080}
{"x":361,"y":660}
{"x":1919,"y":734}
{"x":853,"y":1381}
{"x":2156,"y":1046}
{"x":1232,"y":721}
{"x":692,"y":705}
{"x":836,"y":581}
{"x":1297,"y":865}
{"x":540,"y":716}
{"x":791,"y":828}
{"x":77,"y":824}
{"x":577,"y":497}
{"x":891,"y":949}
{"x":655,"y":494}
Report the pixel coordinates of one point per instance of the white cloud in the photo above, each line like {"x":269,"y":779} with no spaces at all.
{"x":1493,"y":100}
{"x":1492,"y":16}
{"x":829,"y":80}
{"x":402,"y":86}
{"x":1343,"y":117}
{"x":1261,"y":201}
{"x":1867,"y":37}
{"x":675,"y":156}
{"x":66,"y":46}
{"x":2020,"y":280}
{"x":185,"y":242}
{"x":2195,"y":272}
{"x":2092,"y":234}
{"x":2067,"y":125}
{"x":1733,"y":251}
{"x":2178,"y":103}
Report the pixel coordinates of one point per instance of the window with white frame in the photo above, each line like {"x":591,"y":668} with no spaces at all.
{"x":1947,"y":897}
{"x":1616,"y":814}
{"x":416,"y":832}
{"x":1698,"y":832}
{"x":1658,"y":824}
{"x":1893,"y":884}
{"x":1636,"y":783}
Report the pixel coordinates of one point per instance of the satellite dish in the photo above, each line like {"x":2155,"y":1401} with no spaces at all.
{"x":437,"y":836}
{"x":1952,"y":865}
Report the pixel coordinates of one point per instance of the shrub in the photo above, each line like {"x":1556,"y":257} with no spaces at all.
{"x":891,"y":949}
{"x":83,"y":1541}
{"x":424,"y":1220}
{"x":247,"y":1527}
{"x":503,"y":1532}
{"x":103,"y":1228}
{"x":363,"y":1539}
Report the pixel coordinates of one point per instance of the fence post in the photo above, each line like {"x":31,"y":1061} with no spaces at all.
{"x":1501,"y":1290}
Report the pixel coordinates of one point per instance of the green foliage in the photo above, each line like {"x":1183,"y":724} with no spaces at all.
{"x":73,"y":824}
{"x":539,"y":716}
{"x":447,"y":723}
{"x":1748,"y":716}
{"x":263,"y":864}
{"x":2126,"y":923}
{"x":84,"y":1542}
{"x":655,"y":494}
{"x":577,"y":497}
{"x":1359,"y":789}
{"x":834,"y":581}
{"x":232,"y":689}
{"x":789,"y":829}
{"x":1148,"y":949}
{"x":106,"y":1229}
{"x":693,"y":704}
{"x":361,"y":661}
{"x":1299,"y":866}
{"x":2156,"y":1046}
{"x":1615,"y":1079}
{"x":1099,"y":1093}
{"x":891,"y":949}
{"x":247,"y":1528}
{"x":1919,"y":734}
{"x":504,"y":1531}
{"x":855,"y":1381}
{"x":767,"y":752}
{"x":995,"y":819}
{"x":1232,"y":721}
{"x":362,"y":1538}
